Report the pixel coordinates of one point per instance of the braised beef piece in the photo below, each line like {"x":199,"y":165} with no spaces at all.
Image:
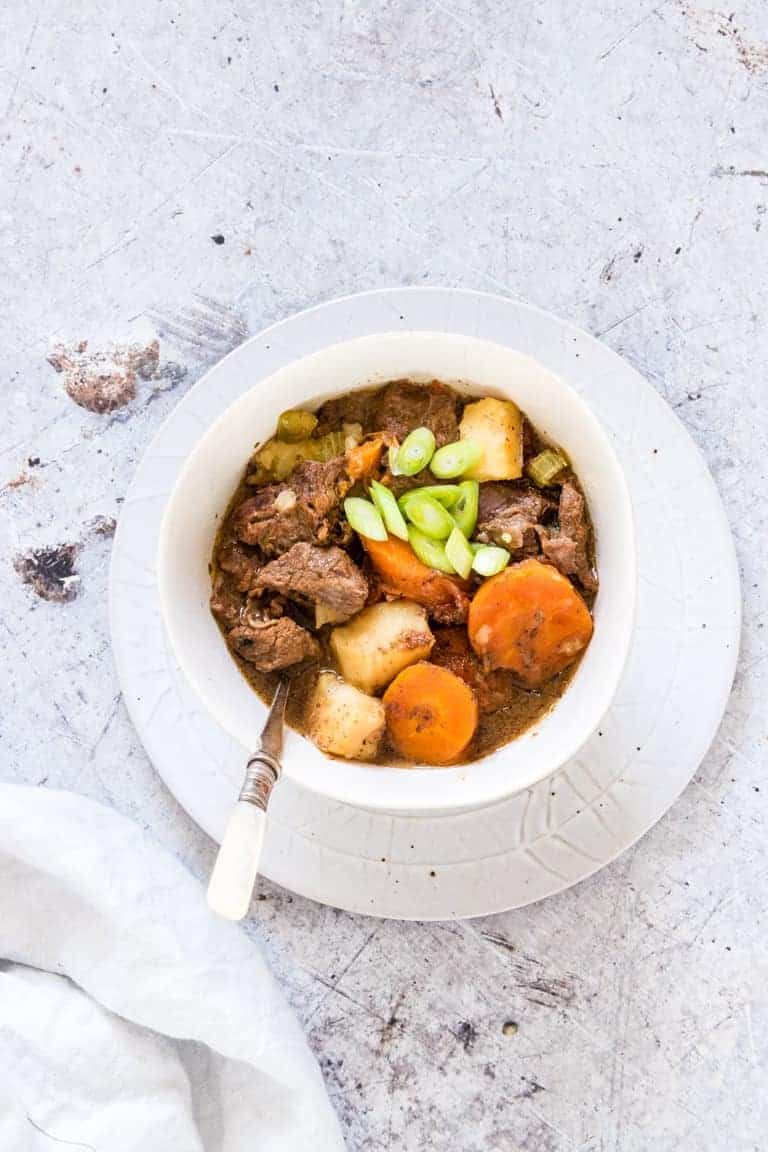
{"x":402,"y":484}
{"x":532,"y":442}
{"x":306,"y":506}
{"x":452,"y":651}
{"x":271,"y":644}
{"x":354,"y":408}
{"x":568,"y":547}
{"x":403,"y":405}
{"x":324,"y":576}
{"x":239,"y":563}
{"x":226,"y":602}
{"x":509,"y":513}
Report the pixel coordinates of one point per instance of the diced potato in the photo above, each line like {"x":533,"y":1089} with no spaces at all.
{"x":326,"y":615}
{"x":344,"y":721}
{"x":498,"y":426}
{"x":380,"y":642}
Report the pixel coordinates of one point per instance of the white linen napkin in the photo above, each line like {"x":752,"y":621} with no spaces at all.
{"x":131,"y":1018}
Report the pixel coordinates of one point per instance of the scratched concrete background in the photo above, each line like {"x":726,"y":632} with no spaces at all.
{"x":188,"y":173}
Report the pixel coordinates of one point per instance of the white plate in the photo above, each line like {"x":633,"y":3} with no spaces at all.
{"x":664,"y":717}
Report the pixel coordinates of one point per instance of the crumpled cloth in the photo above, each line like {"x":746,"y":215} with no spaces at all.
{"x":132,"y":1018}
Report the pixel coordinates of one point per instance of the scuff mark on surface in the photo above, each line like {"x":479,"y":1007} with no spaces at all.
{"x":613,"y":267}
{"x":50,"y":572}
{"x":721,"y":170}
{"x":104,"y":380}
{"x":17,"y":482}
{"x":496,"y":104}
{"x":205,"y":331}
{"x":392,"y":1024}
{"x":103,"y":526}
{"x":532,"y":1088}
{"x":606,"y":274}
{"x":466,"y":1034}
{"x":531,"y":979}
{"x":751,"y":54}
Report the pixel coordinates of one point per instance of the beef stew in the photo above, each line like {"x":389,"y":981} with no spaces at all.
{"x":422,"y":565}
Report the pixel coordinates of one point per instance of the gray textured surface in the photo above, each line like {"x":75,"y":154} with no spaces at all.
{"x":605,"y":161}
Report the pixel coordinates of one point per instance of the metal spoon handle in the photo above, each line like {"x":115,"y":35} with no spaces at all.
{"x":237,"y":864}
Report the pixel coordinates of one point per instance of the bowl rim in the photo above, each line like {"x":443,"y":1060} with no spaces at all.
{"x":407,"y":799}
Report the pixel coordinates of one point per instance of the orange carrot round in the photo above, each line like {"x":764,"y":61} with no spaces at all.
{"x":531,"y":620}
{"x":401,"y":573}
{"x":431,"y":714}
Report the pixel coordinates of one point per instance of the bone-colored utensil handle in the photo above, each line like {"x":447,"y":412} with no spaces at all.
{"x":237,"y":864}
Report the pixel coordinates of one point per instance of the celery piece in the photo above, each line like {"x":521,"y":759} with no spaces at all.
{"x":545,"y":468}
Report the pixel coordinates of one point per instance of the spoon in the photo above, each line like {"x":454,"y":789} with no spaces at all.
{"x":237,"y":864}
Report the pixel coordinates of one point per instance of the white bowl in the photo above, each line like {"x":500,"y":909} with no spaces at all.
{"x":213,"y":470}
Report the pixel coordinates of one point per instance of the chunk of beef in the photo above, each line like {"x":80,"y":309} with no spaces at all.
{"x":319,"y":575}
{"x":271,"y":644}
{"x":306,"y":506}
{"x":452,"y":651}
{"x":226,"y":602}
{"x":568,"y":548}
{"x":240,"y":564}
{"x":404,"y":405}
{"x":509,"y":513}
{"x":402,"y":484}
{"x":532,"y":442}
{"x":352,"y":408}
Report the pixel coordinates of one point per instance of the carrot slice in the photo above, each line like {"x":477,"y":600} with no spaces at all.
{"x":363,"y":461}
{"x":401,"y":573}
{"x":431,"y":714}
{"x":531,"y":620}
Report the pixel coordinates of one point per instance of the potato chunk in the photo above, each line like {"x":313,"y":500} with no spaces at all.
{"x":498,"y":426}
{"x":380,"y":642}
{"x":344,"y":721}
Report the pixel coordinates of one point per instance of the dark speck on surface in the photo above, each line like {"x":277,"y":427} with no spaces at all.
{"x":33,"y":461}
{"x":218,"y":238}
{"x":509,"y":1028}
{"x":50,"y":572}
{"x":466,"y":1034}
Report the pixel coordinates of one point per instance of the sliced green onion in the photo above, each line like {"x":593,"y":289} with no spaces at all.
{"x":446,"y":494}
{"x":489,"y":560}
{"x":464,"y":511}
{"x":364,"y":518}
{"x":545,"y":468}
{"x":392,"y":459}
{"x":416,"y":451}
{"x":295,"y":425}
{"x":428,"y":516}
{"x":456,"y":459}
{"x":388,"y":509}
{"x":429,"y":551}
{"x":459,"y":553}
